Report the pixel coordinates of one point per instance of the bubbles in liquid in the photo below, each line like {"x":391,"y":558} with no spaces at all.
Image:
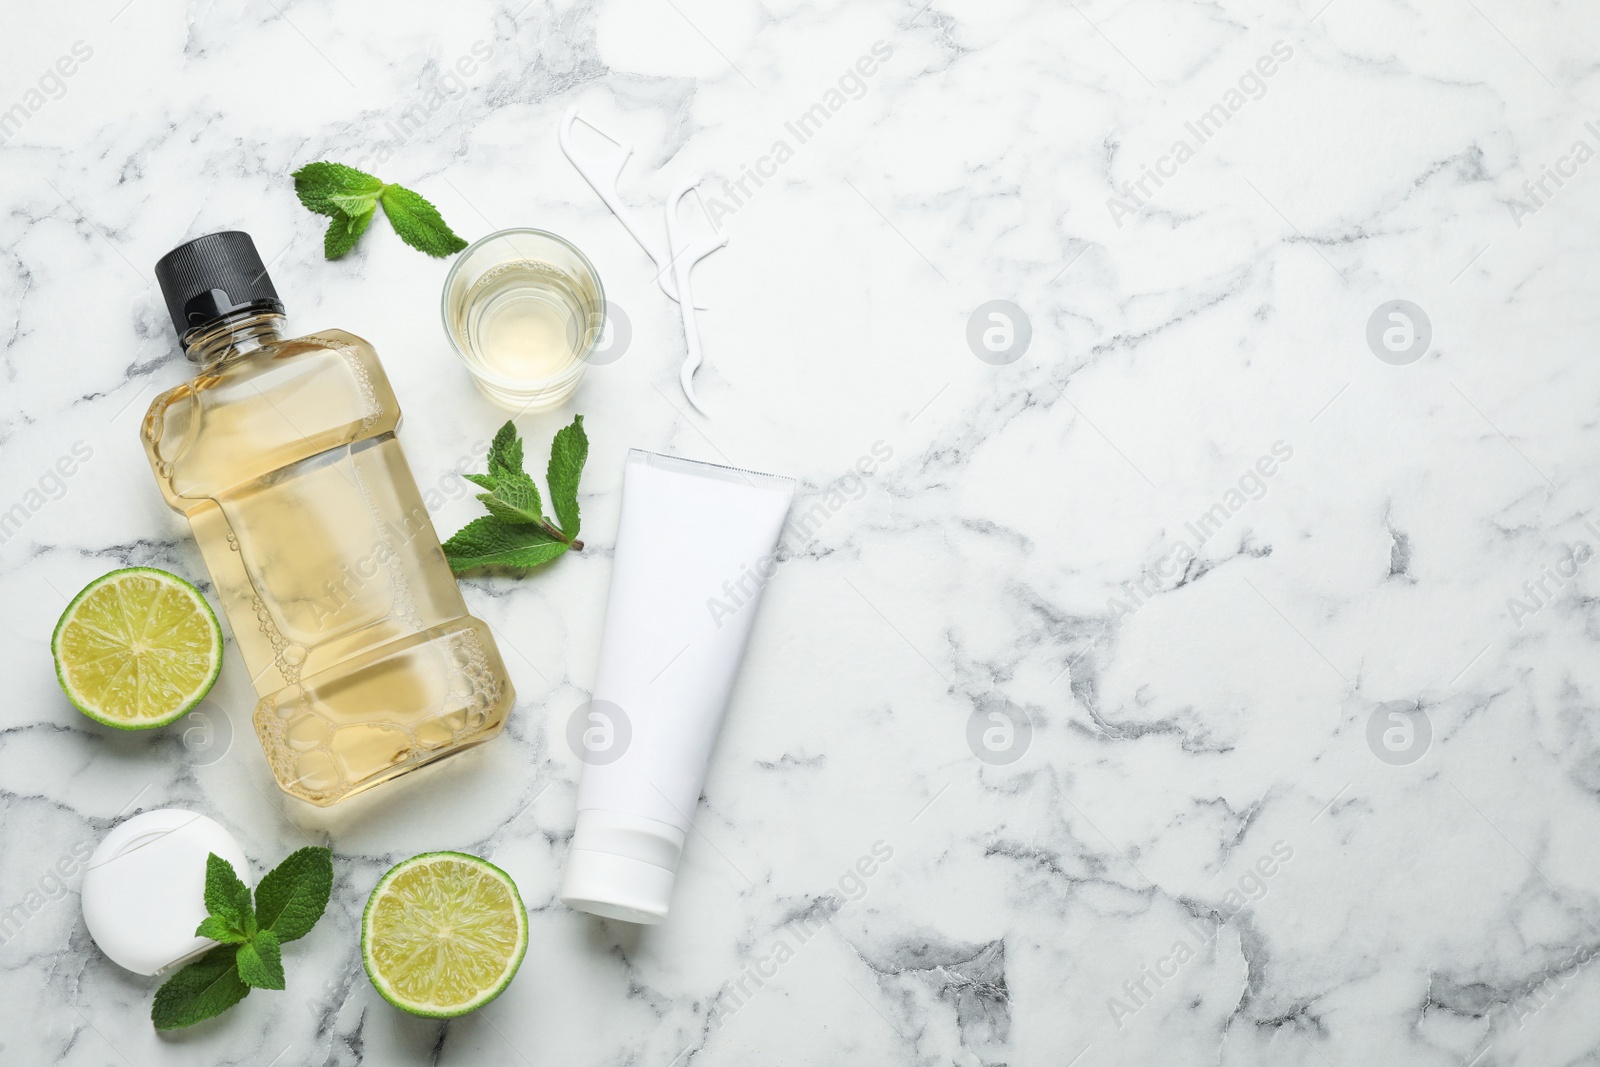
{"x":326,"y":741}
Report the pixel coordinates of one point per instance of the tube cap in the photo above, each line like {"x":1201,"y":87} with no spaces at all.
{"x":622,"y":866}
{"x":213,"y":276}
{"x":144,"y":888}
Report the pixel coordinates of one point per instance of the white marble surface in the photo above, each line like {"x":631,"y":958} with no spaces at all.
{"x":1434,"y":912}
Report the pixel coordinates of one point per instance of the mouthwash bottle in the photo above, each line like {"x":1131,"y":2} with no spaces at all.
{"x":282,"y":455}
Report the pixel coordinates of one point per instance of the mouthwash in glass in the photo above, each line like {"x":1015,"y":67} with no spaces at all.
{"x":282,"y":455}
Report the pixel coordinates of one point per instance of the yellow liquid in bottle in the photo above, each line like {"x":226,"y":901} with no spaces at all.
{"x":357,"y":640}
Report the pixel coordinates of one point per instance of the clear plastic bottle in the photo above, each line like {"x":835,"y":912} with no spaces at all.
{"x":282,"y":455}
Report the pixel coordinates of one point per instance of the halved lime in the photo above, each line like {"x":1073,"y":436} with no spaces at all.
{"x":443,"y":934}
{"x":137,"y":648}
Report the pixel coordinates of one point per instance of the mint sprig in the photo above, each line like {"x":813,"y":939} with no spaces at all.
{"x":516,"y":532}
{"x":288,"y":903}
{"x":351,"y":197}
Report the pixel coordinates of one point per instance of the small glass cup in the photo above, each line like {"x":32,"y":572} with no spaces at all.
{"x":523,"y":309}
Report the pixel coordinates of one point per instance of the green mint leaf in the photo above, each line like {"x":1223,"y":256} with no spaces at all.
{"x":330,"y":188}
{"x":515,"y":500}
{"x":505,"y":453}
{"x":357,"y":204}
{"x":515,"y":533}
{"x":350,"y":197}
{"x":227,"y":897}
{"x":345,"y":230}
{"x":219,"y":929}
{"x":568,"y":452}
{"x":418,"y":222}
{"x":294,"y":894}
{"x":209,"y":986}
{"x":488,"y":542}
{"x":260,"y":963}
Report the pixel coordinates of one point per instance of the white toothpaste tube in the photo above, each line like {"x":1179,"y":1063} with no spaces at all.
{"x":695,"y":545}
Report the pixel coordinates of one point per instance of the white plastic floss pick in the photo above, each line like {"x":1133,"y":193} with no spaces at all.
{"x":688,"y":249}
{"x":602,"y":174}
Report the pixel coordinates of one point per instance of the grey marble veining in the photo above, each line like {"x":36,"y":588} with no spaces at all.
{"x":1211,"y":683}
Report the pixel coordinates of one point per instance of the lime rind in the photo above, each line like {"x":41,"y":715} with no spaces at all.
{"x":490,"y":992}
{"x":171,"y":581}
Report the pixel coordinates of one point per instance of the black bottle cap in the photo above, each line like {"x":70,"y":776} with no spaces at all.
{"x":214,"y":276}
